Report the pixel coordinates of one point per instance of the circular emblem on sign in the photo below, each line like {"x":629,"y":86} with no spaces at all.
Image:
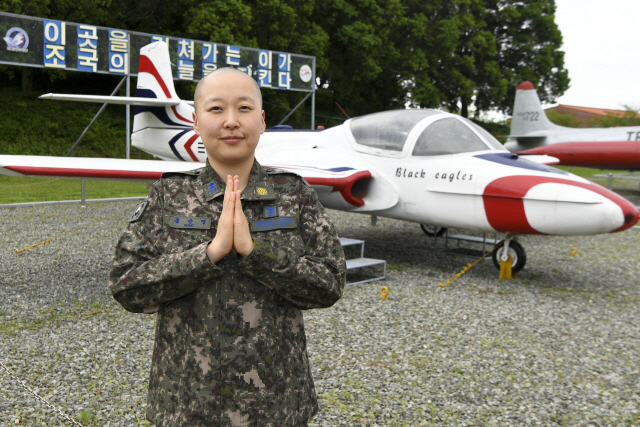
{"x":262,"y":191}
{"x":17,"y":39}
{"x":305,"y":73}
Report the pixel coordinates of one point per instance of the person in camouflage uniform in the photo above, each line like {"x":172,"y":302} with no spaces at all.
{"x":228,"y":266}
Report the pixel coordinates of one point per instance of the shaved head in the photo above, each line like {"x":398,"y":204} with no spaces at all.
{"x":225,"y":70}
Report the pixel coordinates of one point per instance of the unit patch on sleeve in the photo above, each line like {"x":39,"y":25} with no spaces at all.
{"x":272,"y":224}
{"x":137,"y":214}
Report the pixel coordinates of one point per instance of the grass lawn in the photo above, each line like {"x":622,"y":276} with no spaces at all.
{"x":586,"y":172}
{"x":27,"y":189}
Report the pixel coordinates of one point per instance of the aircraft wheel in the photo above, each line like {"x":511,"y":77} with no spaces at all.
{"x":517,"y":254}
{"x":433,"y":230}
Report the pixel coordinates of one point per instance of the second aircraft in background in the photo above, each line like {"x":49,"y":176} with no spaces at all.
{"x":533,"y":133}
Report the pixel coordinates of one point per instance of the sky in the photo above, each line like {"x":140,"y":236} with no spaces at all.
{"x":601,"y":42}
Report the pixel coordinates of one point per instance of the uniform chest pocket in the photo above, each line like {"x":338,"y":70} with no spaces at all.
{"x":290,"y":239}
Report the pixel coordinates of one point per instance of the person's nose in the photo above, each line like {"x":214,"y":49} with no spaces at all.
{"x":231,"y":120}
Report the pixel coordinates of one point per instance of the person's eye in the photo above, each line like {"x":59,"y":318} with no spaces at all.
{"x":215,"y":108}
{"x":245,"y":107}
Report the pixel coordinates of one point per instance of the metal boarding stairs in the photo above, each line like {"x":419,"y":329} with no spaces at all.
{"x":362,"y":262}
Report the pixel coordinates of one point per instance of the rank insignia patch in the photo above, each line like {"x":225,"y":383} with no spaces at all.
{"x":262,"y":191}
{"x":212,"y":188}
{"x":270,"y":212}
{"x":137,"y":214}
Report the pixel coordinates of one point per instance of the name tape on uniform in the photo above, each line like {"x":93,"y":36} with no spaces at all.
{"x":184,"y":222}
{"x":275,"y":223}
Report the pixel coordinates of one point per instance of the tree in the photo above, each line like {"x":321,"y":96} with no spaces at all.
{"x":463,"y":65}
{"x":528,"y":48}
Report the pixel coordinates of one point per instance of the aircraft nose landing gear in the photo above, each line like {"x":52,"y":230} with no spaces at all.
{"x":433,"y":230}
{"x":513,"y":250}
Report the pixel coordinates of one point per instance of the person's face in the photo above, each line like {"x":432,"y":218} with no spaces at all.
{"x":229,"y":119}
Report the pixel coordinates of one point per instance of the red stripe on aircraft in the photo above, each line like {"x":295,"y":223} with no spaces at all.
{"x":504,"y":204}
{"x":173,"y":107}
{"x":605,"y":154}
{"x":146,"y":66}
{"x":85,"y":173}
{"x":187,"y":146}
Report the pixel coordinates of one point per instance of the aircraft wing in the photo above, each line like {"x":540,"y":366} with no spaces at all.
{"x":91,"y":167}
{"x":122,"y":100}
{"x":350,"y":185}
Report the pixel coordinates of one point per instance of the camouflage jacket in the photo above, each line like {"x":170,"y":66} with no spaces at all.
{"x":230,"y":345}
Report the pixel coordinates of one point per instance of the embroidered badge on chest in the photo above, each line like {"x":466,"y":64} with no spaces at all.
{"x":270,"y":211}
{"x":137,"y":214}
{"x":275,"y":223}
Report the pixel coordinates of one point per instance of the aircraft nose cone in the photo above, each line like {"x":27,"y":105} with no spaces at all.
{"x":631,"y":217}
{"x":547,"y":205}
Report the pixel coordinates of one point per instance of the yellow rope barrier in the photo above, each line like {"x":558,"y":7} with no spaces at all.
{"x":44,"y":242}
{"x":468,"y":266}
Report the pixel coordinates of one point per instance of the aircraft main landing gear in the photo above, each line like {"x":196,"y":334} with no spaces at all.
{"x":515,"y":251}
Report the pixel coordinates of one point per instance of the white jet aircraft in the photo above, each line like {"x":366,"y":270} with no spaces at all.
{"x":425,"y":166}
{"x":533,"y":133}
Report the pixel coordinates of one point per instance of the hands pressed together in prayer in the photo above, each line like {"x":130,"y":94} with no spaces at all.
{"x":233,"y":228}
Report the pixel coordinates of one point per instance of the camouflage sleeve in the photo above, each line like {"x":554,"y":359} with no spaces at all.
{"x":143,"y":279}
{"x":314,"y":279}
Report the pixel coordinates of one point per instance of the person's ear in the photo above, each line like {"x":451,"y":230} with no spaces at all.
{"x":195,"y":122}
{"x":264,"y":124}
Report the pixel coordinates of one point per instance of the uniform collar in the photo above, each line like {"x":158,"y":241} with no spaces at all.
{"x":259,"y":187}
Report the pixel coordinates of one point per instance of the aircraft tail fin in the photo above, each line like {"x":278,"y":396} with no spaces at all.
{"x":528,"y":115}
{"x":155,"y":81}
{"x":155,"y":77}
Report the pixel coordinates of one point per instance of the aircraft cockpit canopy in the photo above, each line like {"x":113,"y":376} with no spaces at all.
{"x":449,"y":136}
{"x":491,"y":140}
{"x":387,"y":130}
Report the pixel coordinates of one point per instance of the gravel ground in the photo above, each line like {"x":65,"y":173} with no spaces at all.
{"x":559,"y":345}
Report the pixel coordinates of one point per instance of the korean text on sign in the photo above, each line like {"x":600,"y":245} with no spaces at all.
{"x":209,"y":58}
{"x":87,"y":48}
{"x":118,"y":52}
{"x":185,"y":59}
{"x":55,"y":41}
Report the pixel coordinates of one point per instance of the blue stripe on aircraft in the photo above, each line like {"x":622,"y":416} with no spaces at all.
{"x":145,"y":93}
{"x":340,"y":169}
{"x":510,"y":159}
{"x":159,"y":112}
{"x":172,"y":143}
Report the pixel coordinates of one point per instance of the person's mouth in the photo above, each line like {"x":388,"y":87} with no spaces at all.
{"x":232,"y":139}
